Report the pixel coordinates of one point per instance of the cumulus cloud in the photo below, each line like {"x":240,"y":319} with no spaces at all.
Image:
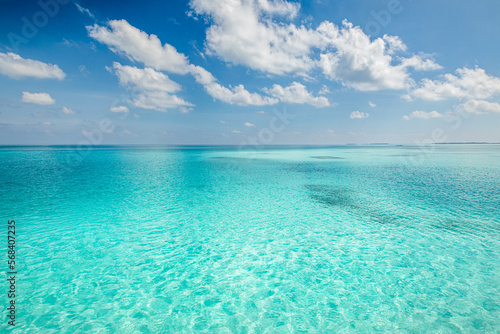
{"x":371,"y":104}
{"x":144,"y":79}
{"x":42,"y":99}
{"x":394,"y":44}
{"x":16,"y":67}
{"x":358,"y":115}
{"x":297,"y":93}
{"x":122,"y":38}
{"x":347,"y":55}
{"x":423,"y":115}
{"x":420,"y":63}
{"x":153,"y":89}
{"x":249,"y":124}
{"x":119,"y":109}
{"x":467,"y":84}
{"x":137,"y":45}
{"x":247,"y":32}
{"x":357,"y":61}
{"x":367,"y":65}
{"x":66,"y":110}
{"x":243,"y":33}
{"x":237,"y":95}
{"x":481,"y":107}
{"x":159,"y":100}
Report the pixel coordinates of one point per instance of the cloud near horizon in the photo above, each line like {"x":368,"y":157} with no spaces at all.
{"x":481,"y":107}
{"x":467,"y":84}
{"x":423,"y":115}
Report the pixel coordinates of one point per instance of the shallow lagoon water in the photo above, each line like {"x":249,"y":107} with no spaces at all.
{"x":279,"y":240}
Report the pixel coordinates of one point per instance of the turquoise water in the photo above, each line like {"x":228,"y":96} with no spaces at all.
{"x":280,"y":240}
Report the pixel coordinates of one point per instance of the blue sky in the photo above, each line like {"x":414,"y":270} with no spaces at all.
{"x":249,"y":71}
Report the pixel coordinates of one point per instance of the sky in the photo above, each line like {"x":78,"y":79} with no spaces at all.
{"x":257,"y":72}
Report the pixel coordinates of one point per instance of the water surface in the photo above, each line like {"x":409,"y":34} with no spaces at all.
{"x":280,"y":240}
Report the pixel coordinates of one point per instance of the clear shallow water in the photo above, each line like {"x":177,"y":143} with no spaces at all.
{"x":283,"y":240}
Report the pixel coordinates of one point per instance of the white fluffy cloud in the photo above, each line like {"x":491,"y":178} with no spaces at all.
{"x":420,"y":63}
{"x":158,"y":100}
{"x":119,"y":109}
{"x":481,"y":107}
{"x":243,"y":33}
{"x":358,"y":62}
{"x":246,"y":32}
{"x":153,"y":89}
{"x":144,"y":79}
{"x":14,"y":66}
{"x":423,"y":115}
{"x":467,"y":84}
{"x":137,"y":45}
{"x":297,"y":93}
{"x":42,"y":99}
{"x":473,"y":86}
{"x":249,"y":124}
{"x":346,"y":54}
{"x":358,"y":115}
{"x":237,"y":95}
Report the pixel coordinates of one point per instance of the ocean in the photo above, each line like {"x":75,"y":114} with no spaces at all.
{"x":188,"y":239}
